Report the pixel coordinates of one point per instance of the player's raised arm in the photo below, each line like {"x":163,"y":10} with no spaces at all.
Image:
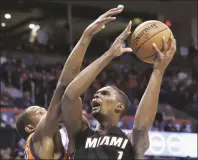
{"x":70,"y":70}
{"x":74,"y":61}
{"x":80,"y":84}
{"x":148,"y":105}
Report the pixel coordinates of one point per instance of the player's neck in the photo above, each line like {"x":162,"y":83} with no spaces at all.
{"x":106,"y":125}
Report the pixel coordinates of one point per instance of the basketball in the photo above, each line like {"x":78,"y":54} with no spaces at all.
{"x":145,"y":35}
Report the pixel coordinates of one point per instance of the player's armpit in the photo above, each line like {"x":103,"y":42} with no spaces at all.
{"x":140,"y":142}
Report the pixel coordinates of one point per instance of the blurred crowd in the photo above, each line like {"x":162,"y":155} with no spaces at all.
{"x":25,"y":82}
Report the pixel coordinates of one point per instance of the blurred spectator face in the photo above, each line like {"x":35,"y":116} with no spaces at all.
{"x":7,"y":154}
{"x":156,"y":126}
{"x":24,"y":76}
{"x":183,"y":128}
{"x":156,"y":123}
{"x":5,"y":100}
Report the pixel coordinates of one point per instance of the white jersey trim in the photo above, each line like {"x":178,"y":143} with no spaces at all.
{"x":64,"y":137}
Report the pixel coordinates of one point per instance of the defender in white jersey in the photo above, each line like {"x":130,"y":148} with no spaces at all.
{"x":64,"y":137}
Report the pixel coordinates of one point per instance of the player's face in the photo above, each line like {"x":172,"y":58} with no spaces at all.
{"x":104,"y":102}
{"x":36,"y":113}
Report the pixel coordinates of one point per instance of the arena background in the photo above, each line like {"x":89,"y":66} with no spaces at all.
{"x":38,"y":35}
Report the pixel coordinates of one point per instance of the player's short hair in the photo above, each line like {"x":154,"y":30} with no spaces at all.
{"x":22,"y":121}
{"x":124,"y":99}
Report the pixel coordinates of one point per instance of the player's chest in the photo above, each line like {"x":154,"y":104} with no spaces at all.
{"x":106,"y":141}
{"x":103,"y":147}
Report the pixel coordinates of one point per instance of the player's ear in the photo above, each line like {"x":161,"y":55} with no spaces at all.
{"x":29,"y":128}
{"x":120,"y":107}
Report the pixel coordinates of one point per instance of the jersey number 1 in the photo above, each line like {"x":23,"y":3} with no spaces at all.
{"x":120,"y":154}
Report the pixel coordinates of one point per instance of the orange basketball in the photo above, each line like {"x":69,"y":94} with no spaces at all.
{"x":145,"y":35}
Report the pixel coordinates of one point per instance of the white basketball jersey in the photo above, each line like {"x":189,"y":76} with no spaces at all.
{"x":64,"y":137}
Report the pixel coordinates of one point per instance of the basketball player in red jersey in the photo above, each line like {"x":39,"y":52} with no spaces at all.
{"x":109,"y":105}
{"x":40,"y":127}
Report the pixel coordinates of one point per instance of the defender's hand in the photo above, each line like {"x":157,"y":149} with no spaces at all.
{"x":100,"y":23}
{"x":117,"y":49}
{"x":165,"y":56}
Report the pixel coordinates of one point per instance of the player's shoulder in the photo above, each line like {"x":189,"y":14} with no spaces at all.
{"x":114,"y":130}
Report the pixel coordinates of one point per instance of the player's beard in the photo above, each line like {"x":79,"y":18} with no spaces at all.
{"x":96,"y":110}
{"x":98,"y":114}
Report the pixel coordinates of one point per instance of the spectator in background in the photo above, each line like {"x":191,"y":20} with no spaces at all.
{"x":157,"y":122}
{"x":159,"y":117}
{"x":6,"y":154}
{"x":132,"y":85}
{"x":13,"y":91}
{"x":3,"y":122}
{"x":19,"y":150}
{"x":156,"y":126}
{"x":6,"y":101}
{"x":183,"y":128}
{"x":13,"y":121}
{"x":25,"y":101}
{"x":133,"y":107}
{"x":169,"y":126}
{"x":2,"y":86}
{"x":3,"y":58}
{"x":8,"y":69}
{"x":168,"y":114}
